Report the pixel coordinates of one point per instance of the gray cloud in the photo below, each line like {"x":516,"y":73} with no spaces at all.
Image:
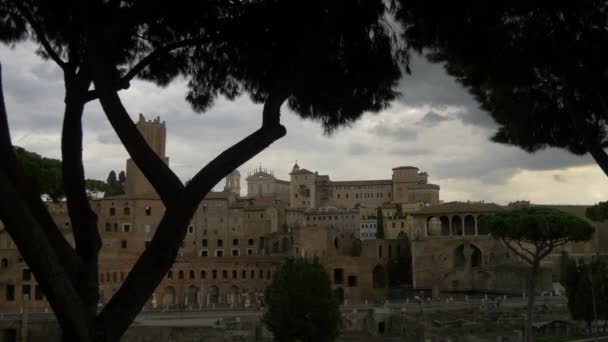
{"x":356,"y":149}
{"x":409,"y":151}
{"x":432,"y":119}
{"x":396,"y":132}
{"x":436,"y":125}
{"x":559,"y":178}
{"x":430,"y":85}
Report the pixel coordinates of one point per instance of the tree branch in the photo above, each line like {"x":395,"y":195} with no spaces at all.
{"x":39,"y":33}
{"x":124,"y":82}
{"x":514,"y":250}
{"x":164,"y":181}
{"x":593,"y":146}
{"x":154,"y":263}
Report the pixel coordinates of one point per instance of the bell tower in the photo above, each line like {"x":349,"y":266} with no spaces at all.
{"x":155,"y":134}
{"x":233,"y":182}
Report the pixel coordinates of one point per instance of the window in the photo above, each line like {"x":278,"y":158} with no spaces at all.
{"x":220,"y":243}
{"x":214,"y":274}
{"x":243,"y":274}
{"x":236,"y":252}
{"x":268,"y":275}
{"x":123,"y":243}
{"x":191,"y":274}
{"x":249,"y":251}
{"x":126,"y":227}
{"x":219,"y":253}
{"x":10,"y":292}
{"x":38,"y":293}
{"x":234,"y":274}
{"x":250,"y":242}
{"x":225,"y":274}
{"x":180,"y":275}
{"x":204,"y":253}
{"x":127,"y":211}
{"x":26,"y":274}
{"x":338,"y":276}
{"x":261,"y":274}
{"x":190,"y":229}
{"x":108,"y":227}
{"x":115,"y":227}
{"x":204,"y":242}
{"x":26,"y":290}
{"x":148,"y":211}
{"x":252,"y":274}
{"x":235,"y":242}
{"x":203,"y":274}
{"x":112,"y":211}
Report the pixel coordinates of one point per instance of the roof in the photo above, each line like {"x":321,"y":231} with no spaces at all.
{"x":260,"y":175}
{"x":218,"y":195}
{"x":302,"y":172}
{"x":363,"y":182}
{"x":405,"y":168}
{"x":460,"y":207}
{"x":148,"y":196}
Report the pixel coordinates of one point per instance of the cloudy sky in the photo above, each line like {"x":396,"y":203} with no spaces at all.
{"x":435,"y":125}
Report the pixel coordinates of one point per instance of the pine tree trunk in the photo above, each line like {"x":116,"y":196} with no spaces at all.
{"x":529,"y":331}
{"x":600,"y":157}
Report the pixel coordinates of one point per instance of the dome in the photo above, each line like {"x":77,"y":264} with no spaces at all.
{"x":295,"y":167}
{"x":235,"y":173}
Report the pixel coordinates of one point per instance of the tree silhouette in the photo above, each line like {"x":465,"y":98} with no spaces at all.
{"x":330,"y":61}
{"x":301,"y":303}
{"x":532,"y":233}
{"x":539,"y":69}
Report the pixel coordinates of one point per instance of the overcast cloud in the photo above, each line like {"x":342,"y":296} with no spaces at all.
{"x":435,"y":125}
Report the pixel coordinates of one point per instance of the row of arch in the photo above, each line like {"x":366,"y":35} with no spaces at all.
{"x":454,"y":225}
{"x":209,"y":296}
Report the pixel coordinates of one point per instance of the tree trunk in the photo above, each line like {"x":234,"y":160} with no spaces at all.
{"x":600,"y":156}
{"x":82,"y":217}
{"x":531,"y":291}
{"x":41,"y":244}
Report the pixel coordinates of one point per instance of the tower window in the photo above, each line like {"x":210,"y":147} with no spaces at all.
{"x":148,"y":211}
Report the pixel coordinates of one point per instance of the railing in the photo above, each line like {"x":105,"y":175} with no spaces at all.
{"x":407,"y":303}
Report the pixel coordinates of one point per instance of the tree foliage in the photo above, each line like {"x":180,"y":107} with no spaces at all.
{"x":532,"y":233}
{"x":301,"y":303}
{"x":47,"y":176}
{"x":115,"y":185}
{"x":597,"y":212}
{"x":538,"y":68}
{"x":44,"y":172}
{"x":329,"y":60}
{"x":582,"y":283}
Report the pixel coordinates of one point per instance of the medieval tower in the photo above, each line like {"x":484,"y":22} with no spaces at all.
{"x":155,"y":133}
